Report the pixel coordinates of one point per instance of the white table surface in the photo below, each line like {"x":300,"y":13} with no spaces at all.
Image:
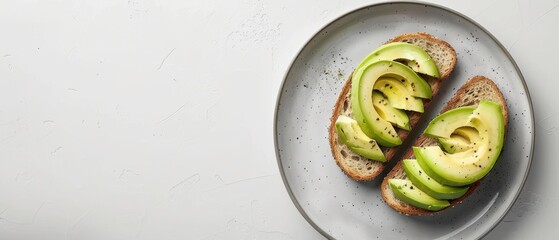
{"x":149,"y":119}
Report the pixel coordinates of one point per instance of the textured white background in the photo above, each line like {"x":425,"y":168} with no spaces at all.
{"x":147,"y":119}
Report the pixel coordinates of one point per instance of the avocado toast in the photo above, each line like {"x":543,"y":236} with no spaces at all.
{"x":397,"y":186}
{"x":346,"y":152}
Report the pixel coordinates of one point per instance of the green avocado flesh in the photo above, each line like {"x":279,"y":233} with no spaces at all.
{"x":460,"y":140}
{"x":416,"y":85}
{"x":405,"y":190}
{"x":397,"y":95}
{"x":419,"y":178}
{"x":397,"y":117}
{"x":445,"y":124}
{"x":361,"y":98}
{"x":463,"y":168}
{"x":413,"y":55}
{"x":351,"y":135}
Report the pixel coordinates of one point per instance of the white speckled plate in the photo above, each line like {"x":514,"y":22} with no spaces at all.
{"x":341,"y":208}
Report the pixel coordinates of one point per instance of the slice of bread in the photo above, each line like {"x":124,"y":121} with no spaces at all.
{"x":470,"y":94}
{"x":360,"y":168}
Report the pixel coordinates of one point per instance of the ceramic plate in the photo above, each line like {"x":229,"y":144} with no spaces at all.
{"x":341,"y":208}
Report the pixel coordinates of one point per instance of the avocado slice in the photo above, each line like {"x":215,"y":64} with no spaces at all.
{"x":444,"y":125}
{"x":397,"y":94}
{"x":462,"y":139}
{"x":361,"y":98}
{"x":405,"y":190}
{"x":419,"y":178}
{"x":463,"y":168}
{"x":454,"y":144}
{"x":413,"y":55}
{"x":397,"y":117}
{"x":351,"y":135}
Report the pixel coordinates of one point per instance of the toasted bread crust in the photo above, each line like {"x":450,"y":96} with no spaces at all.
{"x":458,"y":100}
{"x":359,"y":168}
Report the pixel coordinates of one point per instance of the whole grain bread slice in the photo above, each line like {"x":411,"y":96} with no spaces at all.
{"x":360,"y":168}
{"x":470,"y":94}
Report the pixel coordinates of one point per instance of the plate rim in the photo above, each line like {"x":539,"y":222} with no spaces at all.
{"x":433,"y":5}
